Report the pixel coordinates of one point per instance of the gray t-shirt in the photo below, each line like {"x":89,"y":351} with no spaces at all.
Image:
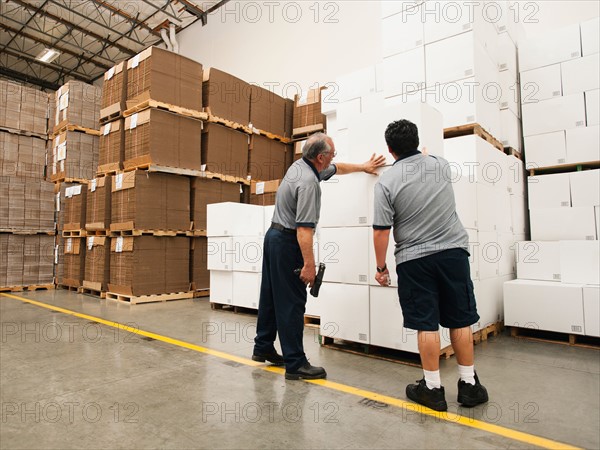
{"x":298,"y":199}
{"x":415,"y":196}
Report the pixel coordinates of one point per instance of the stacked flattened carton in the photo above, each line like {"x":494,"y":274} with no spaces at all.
{"x":72,"y":204}
{"x":23,"y":109}
{"x":307,"y":117}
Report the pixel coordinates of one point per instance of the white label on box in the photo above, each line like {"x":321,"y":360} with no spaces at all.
{"x":69,"y":192}
{"x":241,"y":190}
{"x":110,"y":73}
{"x":135,"y":61}
{"x":106,"y":129}
{"x":64,"y":101}
{"x":133,"y":122}
{"x":303,"y":99}
{"x":260,"y":188}
{"x":90,"y":242}
{"x":58,"y":202}
{"x":62,"y":166}
{"x":77,"y":190}
{"x":69,"y":245}
{"x":61,"y":152}
{"x":203,"y":168}
{"x":119,"y":245}
{"x":56,"y":254}
{"x":119,"y":181}
{"x":93,"y":185}
{"x":56,"y":140}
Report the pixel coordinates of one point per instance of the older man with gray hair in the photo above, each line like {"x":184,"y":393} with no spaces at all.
{"x":289,"y":246}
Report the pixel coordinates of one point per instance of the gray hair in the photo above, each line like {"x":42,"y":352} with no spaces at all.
{"x":316,"y":144}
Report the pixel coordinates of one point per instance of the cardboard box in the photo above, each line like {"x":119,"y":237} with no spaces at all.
{"x":337,"y":190}
{"x":345,"y":312}
{"x":307,"y":110}
{"x":97,"y":263}
{"x":548,"y":149}
{"x":580,"y":75}
{"x":580,"y":262}
{"x":401,"y":32}
{"x":224,"y":151}
{"x":246,"y":289}
{"x":518,"y":214}
{"x":583,"y":144}
{"x":226,"y":96}
{"x":206,"y":191}
{"x":489,"y":254}
{"x":200,"y":276}
{"x":223,"y":219}
{"x":264,"y":192}
{"x":511,"y":130}
{"x":390,"y":260}
{"x":562,"y":306}
{"x":489,"y":298}
{"x":221,"y":253}
{"x":26,"y":260}
{"x":74,"y":262}
{"x":345,"y":252}
{"x":114,"y":91}
{"x":556,"y":114}
{"x":542,"y":84}
{"x":164,"y":76}
{"x":510,"y":93}
{"x":23,"y":108}
{"x":475,"y":158}
{"x":143,"y":200}
{"x":22,"y":156}
{"x":550,"y":48}
{"x":590,"y":30}
{"x":465,"y":197}
{"x":267,"y":111}
{"x":554,"y":224}
{"x":112,"y":146}
{"x":591,"y":310}
{"x":26,"y":205}
{"x":268,"y":159}
{"x":74,"y":207}
{"x":159,"y":137}
{"x":77,"y":103}
{"x":74,"y":155}
{"x":507,"y":55}
{"x":516,"y":175}
{"x":549,"y":191}
{"x":98,"y":213}
{"x":404,"y":72}
{"x":352,"y":85}
{"x":592,"y":107}
{"x":221,"y":287}
{"x":585,"y":188}
{"x":249,"y":253}
{"x":538,"y":260}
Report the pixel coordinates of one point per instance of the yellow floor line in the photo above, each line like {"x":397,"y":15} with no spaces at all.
{"x":403,"y":404}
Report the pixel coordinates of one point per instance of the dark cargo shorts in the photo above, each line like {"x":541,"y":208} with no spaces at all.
{"x":437,"y":290}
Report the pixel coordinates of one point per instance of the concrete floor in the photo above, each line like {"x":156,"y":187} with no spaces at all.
{"x":67,"y":382}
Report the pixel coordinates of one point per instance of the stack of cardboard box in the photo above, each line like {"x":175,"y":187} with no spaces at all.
{"x":23,"y":109}
{"x":307,"y":117}
{"x":71,"y":205}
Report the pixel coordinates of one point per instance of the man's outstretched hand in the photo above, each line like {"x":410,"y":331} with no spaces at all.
{"x":373,"y":164}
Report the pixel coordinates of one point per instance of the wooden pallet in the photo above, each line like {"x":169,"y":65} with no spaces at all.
{"x":516,"y":153}
{"x":74,"y":233}
{"x":537,"y":335}
{"x":24,"y":133}
{"x":164,"y":106}
{"x":69,"y":180}
{"x":97,"y":232}
{"x":302,"y":133}
{"x":128,"y":167}
{"x":110,"y":117}
{"x":91,"y":292}
{"x":272,"y":136}
{"x":71,"y":127}
{"x":473,"y":128}
{"x":33,"y":287}
{"x":27,"y":232}
{"x":108,"y":169}
{"x":223,"y":177}
{"x":196,"y":233}
{"x":202,"y":293}
{"x":168,"y":233}
{"x":372,"y":351}
{"x":134,"y":300}
{"x":564,"y":168}
{"x":66,"y":287}
{"x":235,"y":309}
{"x":228,"y":123}
{"x":312,"y":321}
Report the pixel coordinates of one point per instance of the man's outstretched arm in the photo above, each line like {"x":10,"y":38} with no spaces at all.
{"x":370,"y":166}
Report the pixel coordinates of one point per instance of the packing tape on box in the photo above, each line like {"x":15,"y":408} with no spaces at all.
{"x":93,"y":185}
{"x":119,"y":181}
{"x":90,"y":242}
{"x":110,"y":73}
{"x":106,"y":129}
{"x":119,"y":245}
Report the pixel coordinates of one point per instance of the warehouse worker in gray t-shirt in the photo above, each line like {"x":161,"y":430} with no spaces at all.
{"x":289,"y":246}
{"x":416,"y":198}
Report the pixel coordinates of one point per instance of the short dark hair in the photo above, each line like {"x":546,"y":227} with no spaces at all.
{"x":402,"y":136}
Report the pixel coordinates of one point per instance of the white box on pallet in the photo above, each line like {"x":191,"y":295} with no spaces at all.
{"x":592,"y":107}
{"x":404,"y":72}
{"x":474,"y":253}
{"x":336,"y":191}
{"x":518,"y":214}
{"x":511,"y":129}
{"x":220,"y":253}
{"x":487,"y":209}
{"x":246,"y":289}
{"x":583,"y":144}
{"x":538,"y":260}
{"x":544,"y":305}
{"x":224,"y":219}
{"x":357,"y":84}
{"x":516,"y":175}
{"x":580,"y":75}
{"x":387,"y":322}
{"x":590,"y":36}
{"x":476,"y":159}
{"x":548,"y":149}
{"x":221,"y":287}
{"x":555,"y":224}
{"x":541,"y":84}
{"x":345,"y":312}
{"x":506,"y":264}
{"x":585,"y":188}
{"x":507,"y":55}
{"x":591,"y":310}
{"x":550,"y":48}
{"x":345,"y":252}
{"x":248,"y":253}
{"x":465,"y":197}
{"x":549,"y":191}
{"x":390,"y":260}
{"x":580,"y":262}
{"x":313,"y":305}
{"x":489,"y":299}
{"x":556,"y":114}
{"x":402,"y":32}
{"x":490,"y":253}
{"x":346,"y":111}
{"x":510,"y":92}
{"x":268,"y":215}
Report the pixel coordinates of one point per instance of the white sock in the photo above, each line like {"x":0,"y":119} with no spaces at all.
{"x":432,"y":378}
{"x":467,"y":374}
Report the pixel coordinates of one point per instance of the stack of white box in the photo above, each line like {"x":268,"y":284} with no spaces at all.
{"x":235,"y":248}
{"x":560,"y":81}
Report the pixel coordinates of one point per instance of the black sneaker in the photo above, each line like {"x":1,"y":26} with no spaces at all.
{"x":432,"y":398}
{"x":274,"y":358}
{"x":306,"y":372}
{"x":470,"y":395}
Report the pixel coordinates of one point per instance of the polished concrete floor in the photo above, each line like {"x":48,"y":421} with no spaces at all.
{"x":69,"y":382}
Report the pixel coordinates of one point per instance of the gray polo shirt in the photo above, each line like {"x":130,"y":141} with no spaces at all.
{"x":298,"y":199}
{"x":415,"y":196}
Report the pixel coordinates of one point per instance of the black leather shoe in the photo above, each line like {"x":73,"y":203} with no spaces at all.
{"x":306,"y":372}
{"x":470,"y":395}
{"x":274,"y":358}
{"x":432,"y":398}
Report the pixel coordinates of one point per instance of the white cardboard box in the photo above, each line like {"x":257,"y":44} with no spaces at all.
{"x":386,"y":322}
{"x":541,"y":84}
{"x":269,"y":211}
{"x":538,"y":260}
{"x":510,"y":95}
{"x":221,"y":287}
{"x":404,"y":72}
{"x":590,"y":36}
{"x":549,"y":191}
{"x":220,"y":253}
{"x":474,"y":253}
{"x":401,"y":32}
{"x":346,"y":111}
{"x":356,"y":84}
{"x":248,"y":256}
{"x":583,"y":144}
{"x":345,"y":312}
{"x":476,"y":159}
{"x":585,"y":188}
{"x":337,"y":191}
{"x":597,"y":214}
{"x":555,"y":224}
{"x":544,"y":305}
{"x":518,"y":214}
{"x":487,"y":209}
{"x":506,"y":264}
{"x":591,"y":310}
{"x":511,"y":129}
{"x":592,"y":107}
{"x":465,"y":196}
{"x":489,"y":299}
{"x":390,"y":260}
{"x":235,"y":219}
{"x":548,"y":149}
{"x":553,"y":47}
{"x":246,"y":289}
{"x":507,"y":55}
{"x":580,"y":262}
{"x":516,"y":175}
{"x":490,"y":253}
{"x":556,"y":114}
{"x":345,"y":252}
{"x":579,"y":75}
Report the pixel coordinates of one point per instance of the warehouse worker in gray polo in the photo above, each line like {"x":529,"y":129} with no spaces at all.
{"x":289,"y":246}
{"x":416,"y":198}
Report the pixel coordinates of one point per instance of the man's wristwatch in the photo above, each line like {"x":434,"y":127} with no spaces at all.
{"x":382,"y":269}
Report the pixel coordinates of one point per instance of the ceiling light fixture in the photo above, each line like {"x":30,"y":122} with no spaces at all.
{"x":48,"y":55}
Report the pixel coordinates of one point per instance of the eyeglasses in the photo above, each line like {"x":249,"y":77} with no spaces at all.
{"x":333,"y":155}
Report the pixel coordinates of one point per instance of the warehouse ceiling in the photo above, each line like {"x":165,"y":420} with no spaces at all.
{"x":90,"y":36}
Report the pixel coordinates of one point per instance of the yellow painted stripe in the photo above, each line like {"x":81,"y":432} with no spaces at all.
{"x":393,"y":401}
